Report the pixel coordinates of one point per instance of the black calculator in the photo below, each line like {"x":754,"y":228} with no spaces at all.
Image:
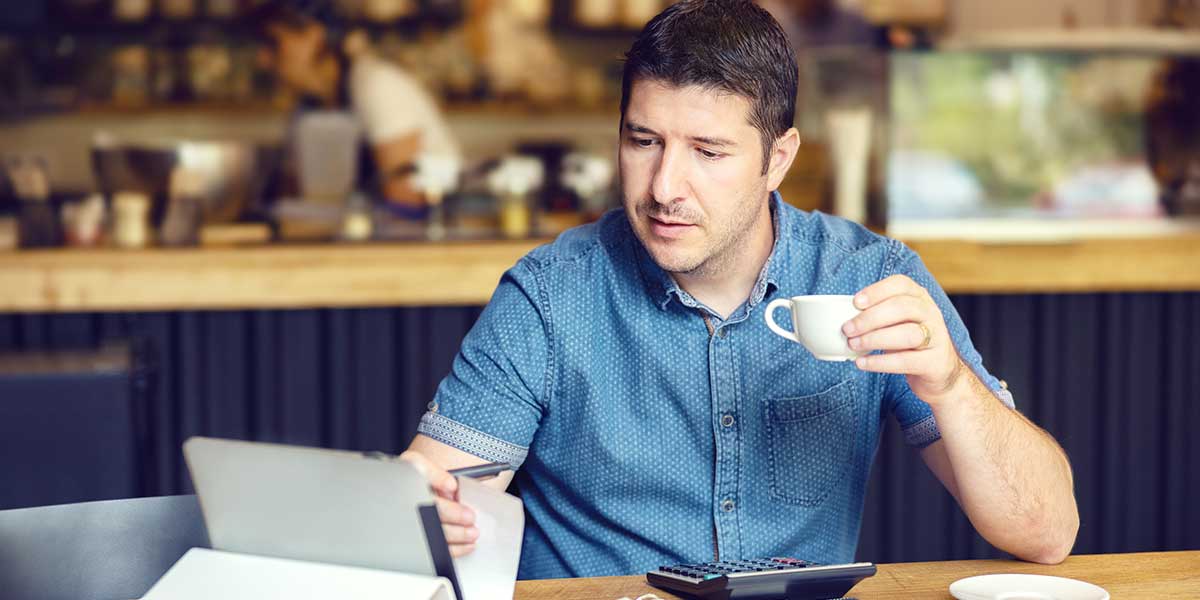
{"x":760,"y":579}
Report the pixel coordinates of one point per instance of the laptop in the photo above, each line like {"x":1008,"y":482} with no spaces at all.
{"x":318,"y":505}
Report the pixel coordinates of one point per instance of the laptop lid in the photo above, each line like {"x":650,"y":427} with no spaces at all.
{"x":329,"y":506}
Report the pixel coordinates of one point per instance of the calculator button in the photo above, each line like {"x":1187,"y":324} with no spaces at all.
{"x":794,"y":562}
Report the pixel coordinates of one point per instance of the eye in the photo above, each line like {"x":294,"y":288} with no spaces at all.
{"x":644,"y":142}
{"x":708,"y":154}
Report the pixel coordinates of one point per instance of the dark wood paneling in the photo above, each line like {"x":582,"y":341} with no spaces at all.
{"x":1114,"y":377}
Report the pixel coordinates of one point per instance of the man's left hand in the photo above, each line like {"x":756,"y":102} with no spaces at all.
{"x":900,"y":317}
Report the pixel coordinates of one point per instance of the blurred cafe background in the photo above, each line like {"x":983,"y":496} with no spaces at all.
{"x":219,"y":217}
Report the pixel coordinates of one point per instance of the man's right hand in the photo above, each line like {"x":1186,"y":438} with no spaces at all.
{"x":458,"y":520}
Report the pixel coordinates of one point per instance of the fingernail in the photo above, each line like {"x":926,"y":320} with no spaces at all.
{"x":468,"y":515}
{"x":854,"y":343}
{"x":860,"y":300}
{"x":473,"y":533}
{"x":850,"y":329}
{"x":861,"y":362}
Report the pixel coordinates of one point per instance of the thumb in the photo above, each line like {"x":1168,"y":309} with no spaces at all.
{"x":443,"y":483}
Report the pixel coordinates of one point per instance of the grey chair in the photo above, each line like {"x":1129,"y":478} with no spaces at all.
{"x":108,"y":550}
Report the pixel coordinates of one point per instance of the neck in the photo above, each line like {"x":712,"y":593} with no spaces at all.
{"x":726,"y":285}
{"x":324,"y":82}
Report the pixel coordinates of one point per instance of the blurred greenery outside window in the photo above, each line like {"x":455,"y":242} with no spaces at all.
{"x":1020,"y":134}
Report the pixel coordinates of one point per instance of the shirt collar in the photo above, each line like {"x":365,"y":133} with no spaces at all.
{"x":662,"y":288}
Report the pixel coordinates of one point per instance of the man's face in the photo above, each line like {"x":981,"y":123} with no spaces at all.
{"x":692,"y":177}
{"x":297,"y":50}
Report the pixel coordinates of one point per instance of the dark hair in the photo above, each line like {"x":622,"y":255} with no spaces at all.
{"x":729,"y":45}
{"x":293,"y":14}
{"x":1172,"y":128}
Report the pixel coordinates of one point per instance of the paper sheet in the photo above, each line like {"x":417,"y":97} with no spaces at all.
{"x":490,"y":572}
{"x":204,"y":574}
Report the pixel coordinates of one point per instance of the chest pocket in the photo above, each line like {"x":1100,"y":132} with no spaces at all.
{"x":812,"y":443}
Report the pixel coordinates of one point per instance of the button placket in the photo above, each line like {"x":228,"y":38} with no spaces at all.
{"x":724,"y":381}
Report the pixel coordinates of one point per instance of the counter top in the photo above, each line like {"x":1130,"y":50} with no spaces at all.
{"x":1144,"y":575}
{"x":465,"y":273}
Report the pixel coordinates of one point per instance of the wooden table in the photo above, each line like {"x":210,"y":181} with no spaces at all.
{"x":1151,"y":575}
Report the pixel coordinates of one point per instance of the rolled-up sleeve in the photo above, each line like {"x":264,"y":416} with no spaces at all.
{"x":914,"y":415}
{"x":491,"y":402}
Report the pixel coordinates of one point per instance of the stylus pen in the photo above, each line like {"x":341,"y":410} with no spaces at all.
{"x":481,"y":471}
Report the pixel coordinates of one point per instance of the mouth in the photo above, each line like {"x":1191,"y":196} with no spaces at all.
{"x":669,"y":229}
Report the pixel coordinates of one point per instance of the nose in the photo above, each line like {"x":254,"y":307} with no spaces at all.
{"x":670,"y":179}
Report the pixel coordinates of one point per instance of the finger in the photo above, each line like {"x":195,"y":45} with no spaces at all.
{"x":904,"y":363}
{"x":881,"y":290}
{"x":457,"y":550}
{"x":905,"y":336}
{"x":453,"y":513}
{"x":442,"y":482}
{"x":456,"y":534}
{"x":893,"y":311}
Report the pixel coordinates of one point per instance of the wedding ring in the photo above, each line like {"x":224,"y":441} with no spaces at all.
{"x":928,"y":336}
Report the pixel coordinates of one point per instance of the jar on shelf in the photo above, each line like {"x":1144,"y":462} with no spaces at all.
{"x":515,"y":216}
{"x":387,"y":11}
{"x":130,"y":75}
{"x":131,"y":11}
{"x":177,"y":9}
{"x":598,"y":14}
{"x":511,"y":183}
{"x":131,"y":223}
{"x":222,"y":9}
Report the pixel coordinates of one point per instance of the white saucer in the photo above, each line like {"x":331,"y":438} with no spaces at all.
{"x":1025,"y":587}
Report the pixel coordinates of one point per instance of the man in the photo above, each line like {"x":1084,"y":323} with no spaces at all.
{"x":1173,"y":134}
{"x":400,"y":118}
{"x":626,"y":368}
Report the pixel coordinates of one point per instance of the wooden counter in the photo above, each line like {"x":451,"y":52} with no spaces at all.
{"x":465,"y":273}
{"x":1147,"y":575}
{"x":255,"y":277}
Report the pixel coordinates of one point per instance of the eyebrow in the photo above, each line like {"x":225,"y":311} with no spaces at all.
{"x":708,"y":141}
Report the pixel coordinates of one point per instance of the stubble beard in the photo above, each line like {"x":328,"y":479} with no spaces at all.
{"x":722,"y":249}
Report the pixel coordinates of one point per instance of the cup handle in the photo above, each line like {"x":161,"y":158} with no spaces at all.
{"x":770,"y":317}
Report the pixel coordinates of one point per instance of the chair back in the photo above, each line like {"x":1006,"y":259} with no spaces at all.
{"x":108,"y":550}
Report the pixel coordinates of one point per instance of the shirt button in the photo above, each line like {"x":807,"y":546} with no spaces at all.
{"x":727,"y":421}
{"x":723,"y":332}
{"x":727,"y":505}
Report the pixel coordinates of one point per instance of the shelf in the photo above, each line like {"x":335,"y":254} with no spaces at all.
{"x":263,"y":106}
{"x":1156,"y":41}
{"x":106,"y":27}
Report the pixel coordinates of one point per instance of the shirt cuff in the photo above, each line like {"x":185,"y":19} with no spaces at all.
{"x":922,"y":433}
{"x":1006,"y":397}
{"x":470,"y":440}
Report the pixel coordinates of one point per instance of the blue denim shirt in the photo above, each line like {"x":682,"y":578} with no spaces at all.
{"x":643,"y":439}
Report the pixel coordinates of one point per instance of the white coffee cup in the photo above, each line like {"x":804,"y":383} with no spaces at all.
{"x":817,"y":324}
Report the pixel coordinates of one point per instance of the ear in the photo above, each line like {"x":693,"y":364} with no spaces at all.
{"x":782,"y":155}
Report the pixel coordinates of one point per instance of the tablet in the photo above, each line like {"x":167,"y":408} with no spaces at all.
{"x":329,"y":506}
